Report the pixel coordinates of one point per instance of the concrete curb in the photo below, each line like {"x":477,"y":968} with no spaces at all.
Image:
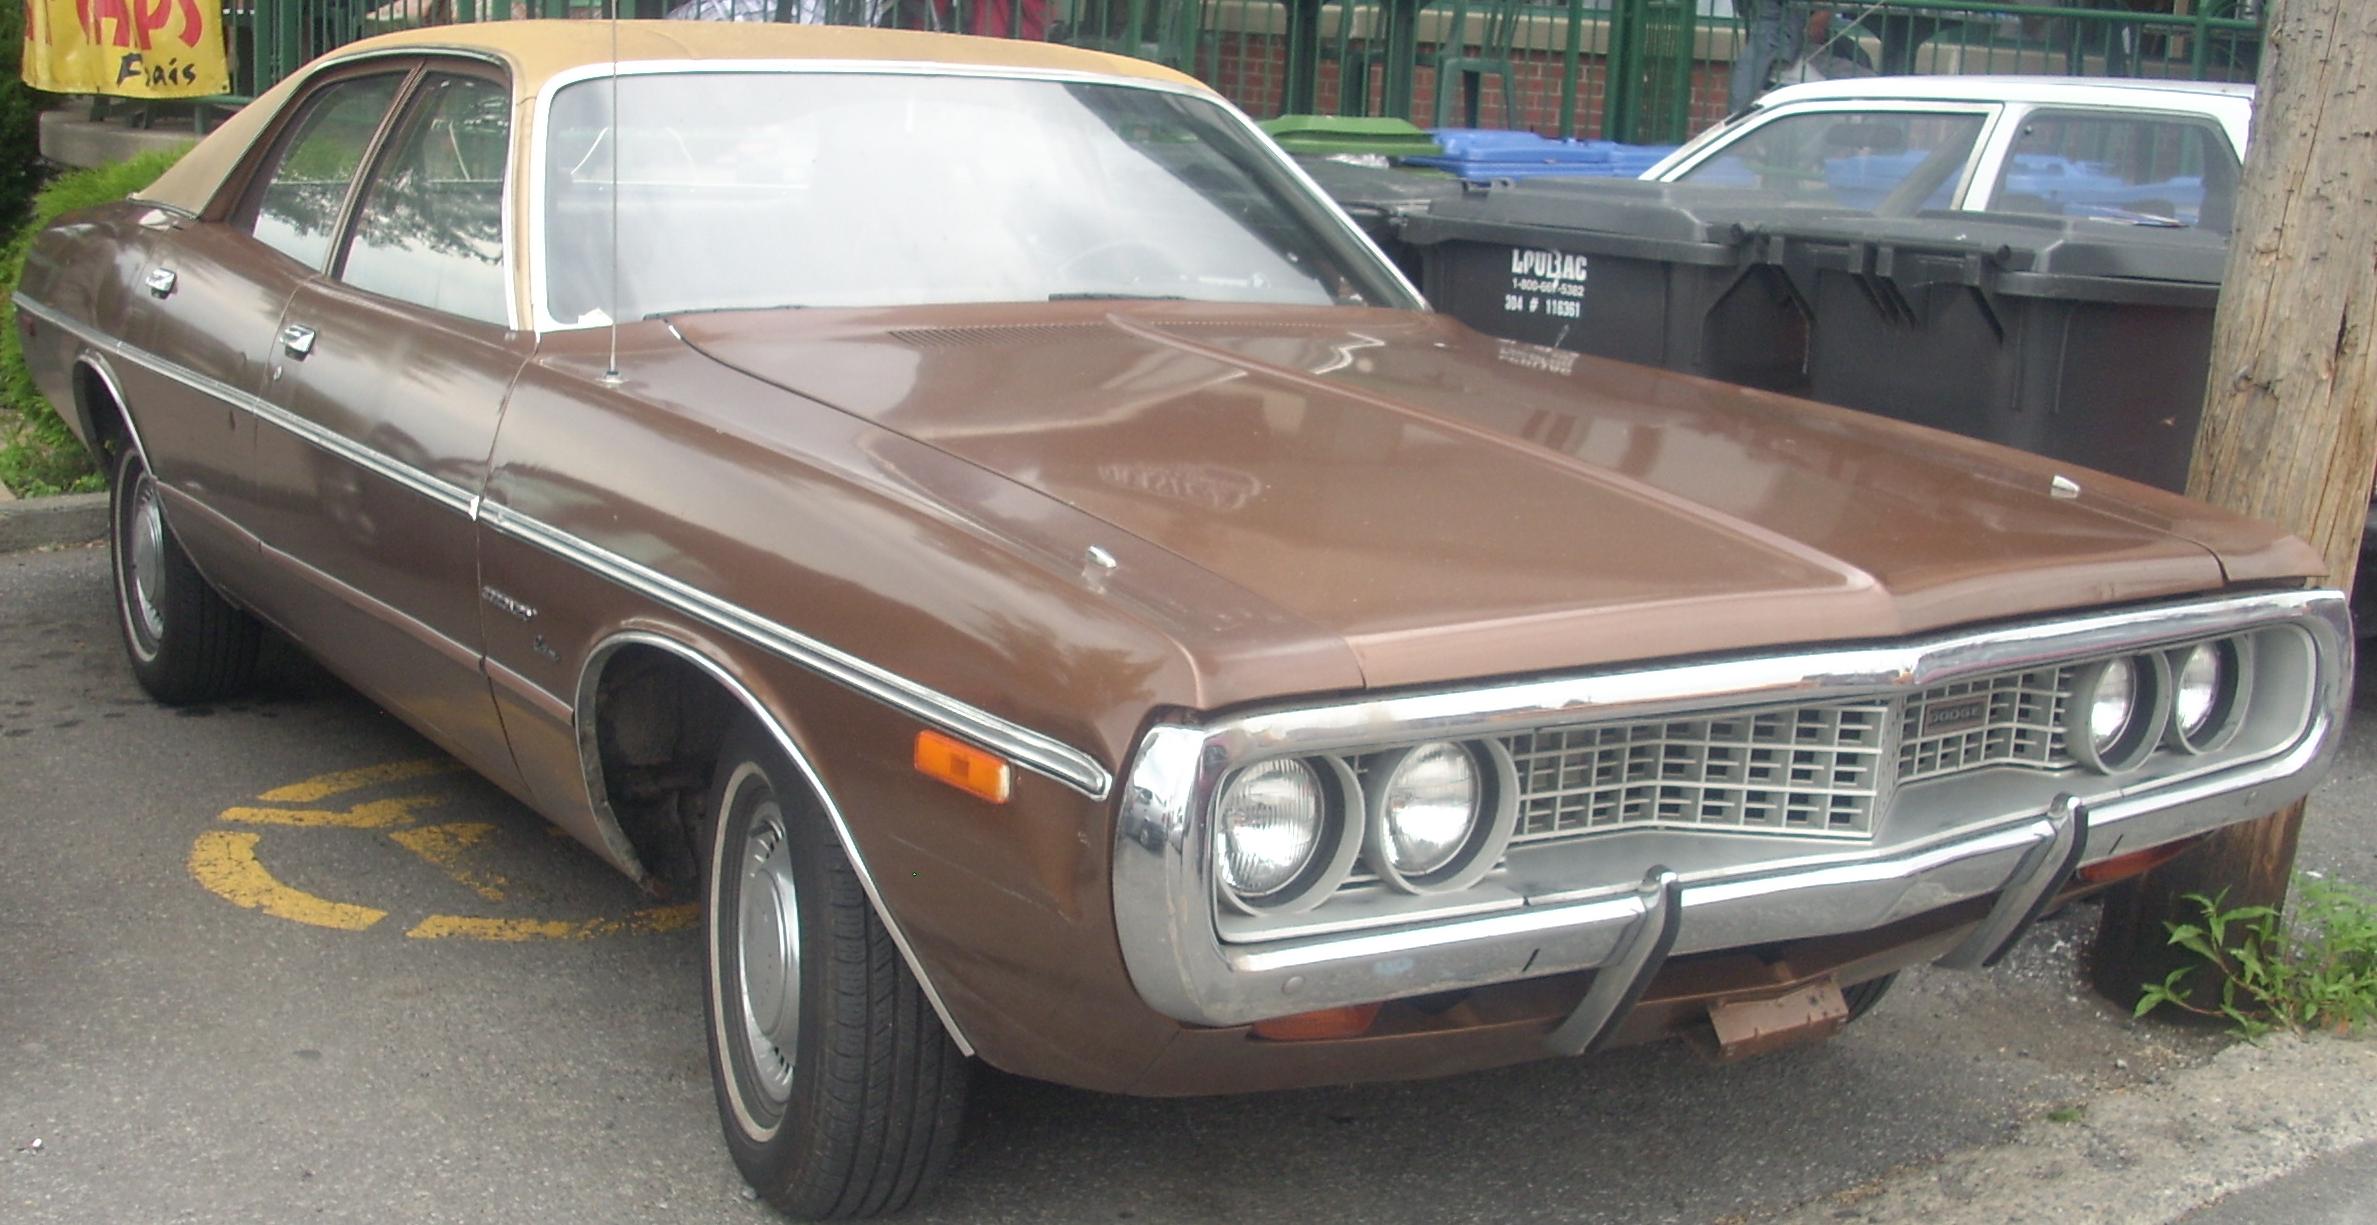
{"x":48,"y":523}
{"x":2144,"y":1156}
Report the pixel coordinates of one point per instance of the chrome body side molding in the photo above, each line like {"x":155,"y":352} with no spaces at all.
{"x":1030,"y":749}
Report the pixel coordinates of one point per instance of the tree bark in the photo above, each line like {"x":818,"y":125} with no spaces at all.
{"x":2289,"y":430}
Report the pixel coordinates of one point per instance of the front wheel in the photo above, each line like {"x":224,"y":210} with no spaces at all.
{"x":186,"y":642}
{"x":840,"y":1092}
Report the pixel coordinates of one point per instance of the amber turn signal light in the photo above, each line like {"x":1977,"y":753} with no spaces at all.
{"x":1351,"y":1021}
{"x":971,"y":770}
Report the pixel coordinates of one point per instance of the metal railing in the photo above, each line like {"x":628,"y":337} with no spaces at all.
{"x":1646,"y":71}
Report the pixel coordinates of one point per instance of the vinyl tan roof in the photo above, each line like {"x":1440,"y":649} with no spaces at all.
{"x":536,"y":51}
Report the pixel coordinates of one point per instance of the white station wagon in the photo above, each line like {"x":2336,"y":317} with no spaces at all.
{"x":2156,"y":153}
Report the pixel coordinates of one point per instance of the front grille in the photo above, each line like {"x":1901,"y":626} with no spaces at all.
{"x":2011,"y":719}
{"x":1795,"y":770}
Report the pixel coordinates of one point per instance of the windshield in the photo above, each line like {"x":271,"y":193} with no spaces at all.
{"x":759,"y":189}
{"x":1872,"y":161}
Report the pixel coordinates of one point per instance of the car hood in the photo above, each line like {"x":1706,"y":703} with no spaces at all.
{"x":1454,"y":506}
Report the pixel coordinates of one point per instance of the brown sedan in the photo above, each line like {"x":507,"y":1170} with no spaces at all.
{"x":977,"y":517}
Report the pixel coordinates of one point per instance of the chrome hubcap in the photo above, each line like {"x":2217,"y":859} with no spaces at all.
{"x":147,"y":559}
{"x":767,"y":953}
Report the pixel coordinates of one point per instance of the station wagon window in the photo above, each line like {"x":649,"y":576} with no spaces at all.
{"x":298,"y":205}
{"x":1891,"y":161}
{"x":2157,"y":170}
{"x":430,"y":228}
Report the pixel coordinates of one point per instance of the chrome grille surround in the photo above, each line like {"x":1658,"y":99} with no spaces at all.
{"x":1565,"y":903}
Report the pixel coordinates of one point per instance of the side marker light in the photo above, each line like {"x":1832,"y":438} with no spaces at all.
{"x":978,"y":773}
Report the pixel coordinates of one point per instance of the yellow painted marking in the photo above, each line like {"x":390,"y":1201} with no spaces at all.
{"x":471,"y":927}
{"x":377,"y":814}
{"x":443,"y":845}
{"x":226,"y":864}
{"x":322,"y":786}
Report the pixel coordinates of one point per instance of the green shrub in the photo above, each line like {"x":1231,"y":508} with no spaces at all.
{"x":37,"y":454}
{"x":2312,"y":968}
{"x":20,"y":126}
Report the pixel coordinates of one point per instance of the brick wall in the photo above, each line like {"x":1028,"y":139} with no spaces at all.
{"x":1248,"y":67}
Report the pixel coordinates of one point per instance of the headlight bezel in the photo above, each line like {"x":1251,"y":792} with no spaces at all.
{"x":1336,"y":847}
{"x":2149,"y":713}
{"x":2230,"y":700}
{"x":1492,"y":823}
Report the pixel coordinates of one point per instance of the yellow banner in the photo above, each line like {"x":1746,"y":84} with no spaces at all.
{"x":131,"y":48}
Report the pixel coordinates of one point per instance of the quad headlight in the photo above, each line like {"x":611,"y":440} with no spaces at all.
{"x":1431,"y":818}
{"x":1286,"y":840}
{"x":2117,"y":711}
{"x":2208,"y":686}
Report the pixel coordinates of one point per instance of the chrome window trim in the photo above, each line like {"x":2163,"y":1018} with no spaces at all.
{"x":1164,"y":873}
{"x":534,"y":249}
{"x":590,"y":758}
{"x":1041,"y":753}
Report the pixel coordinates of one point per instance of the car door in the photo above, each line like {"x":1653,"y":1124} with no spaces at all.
{"x":208,"y":296}
{"x":388,"y":377}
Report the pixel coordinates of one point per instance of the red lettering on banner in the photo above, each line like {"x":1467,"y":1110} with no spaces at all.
{"x":136,"y":22}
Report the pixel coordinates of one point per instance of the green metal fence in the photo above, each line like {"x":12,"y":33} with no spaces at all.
{"x":1647,"y":71}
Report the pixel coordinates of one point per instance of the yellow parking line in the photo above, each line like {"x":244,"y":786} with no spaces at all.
{"x":226,"y":864}
{"x":444,"y":845}
{"x":469,"y":927}
{"x":322,"y":786}
{"x":377,"y":814}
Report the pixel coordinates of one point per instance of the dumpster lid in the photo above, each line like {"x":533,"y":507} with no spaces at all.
{"x":1628,"y":208}
{"x":1379,"y":189}
{"x":2047,"y":246}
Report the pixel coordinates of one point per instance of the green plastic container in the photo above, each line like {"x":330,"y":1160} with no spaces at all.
{"x":1331,"y":135}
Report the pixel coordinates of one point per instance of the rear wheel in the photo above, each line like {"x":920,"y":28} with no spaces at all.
{"x":840,"y":1092}
{"x":186,"y":642}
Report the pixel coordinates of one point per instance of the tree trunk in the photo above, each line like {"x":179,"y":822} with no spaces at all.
{"x":2289,"y":431}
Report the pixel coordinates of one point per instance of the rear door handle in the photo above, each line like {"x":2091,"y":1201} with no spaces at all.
{"x":160,"y":282}
{"x":298,"y":339}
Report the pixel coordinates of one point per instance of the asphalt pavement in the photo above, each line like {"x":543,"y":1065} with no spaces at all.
{"x":273,"y":961}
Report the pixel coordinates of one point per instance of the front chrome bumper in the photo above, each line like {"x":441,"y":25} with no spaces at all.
{"x":1164,"y":854}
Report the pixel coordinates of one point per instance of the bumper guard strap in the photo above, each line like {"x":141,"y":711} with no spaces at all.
{"x":1618,"y":986}
{"x":2036,"y":880}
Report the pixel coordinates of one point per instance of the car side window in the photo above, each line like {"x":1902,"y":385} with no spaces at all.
{"x":298,"y":204}
{"x":430,"y":228}
{"x":1854,"y":159}
{"x":2162,"y":170}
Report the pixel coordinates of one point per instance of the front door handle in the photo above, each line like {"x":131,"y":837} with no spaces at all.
{"x":160,"y":282}
{"x":298,"y":339}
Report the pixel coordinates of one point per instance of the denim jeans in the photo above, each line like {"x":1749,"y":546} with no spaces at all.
{"x":1774,"y":32}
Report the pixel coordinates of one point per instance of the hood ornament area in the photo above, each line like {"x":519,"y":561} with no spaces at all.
{"x":2063,"y":487}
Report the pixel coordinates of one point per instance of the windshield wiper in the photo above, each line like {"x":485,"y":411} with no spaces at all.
{"x":1116,"y":297}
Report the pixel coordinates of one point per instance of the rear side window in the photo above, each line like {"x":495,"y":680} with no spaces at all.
{"x":2155,"y":170}
{"x":297,"y":206}
{"x":1889,"y":161}
{"x":430,"y":228}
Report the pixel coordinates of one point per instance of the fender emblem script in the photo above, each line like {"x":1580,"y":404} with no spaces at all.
{"x":507,"y":603}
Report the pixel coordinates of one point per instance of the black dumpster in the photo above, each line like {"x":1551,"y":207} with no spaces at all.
{"x":1378,"y":198}
{"x":1661,"y":274}
{"x":2075,"y":339}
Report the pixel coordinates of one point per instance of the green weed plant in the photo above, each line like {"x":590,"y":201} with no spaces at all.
{"x":2312,"y":968}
